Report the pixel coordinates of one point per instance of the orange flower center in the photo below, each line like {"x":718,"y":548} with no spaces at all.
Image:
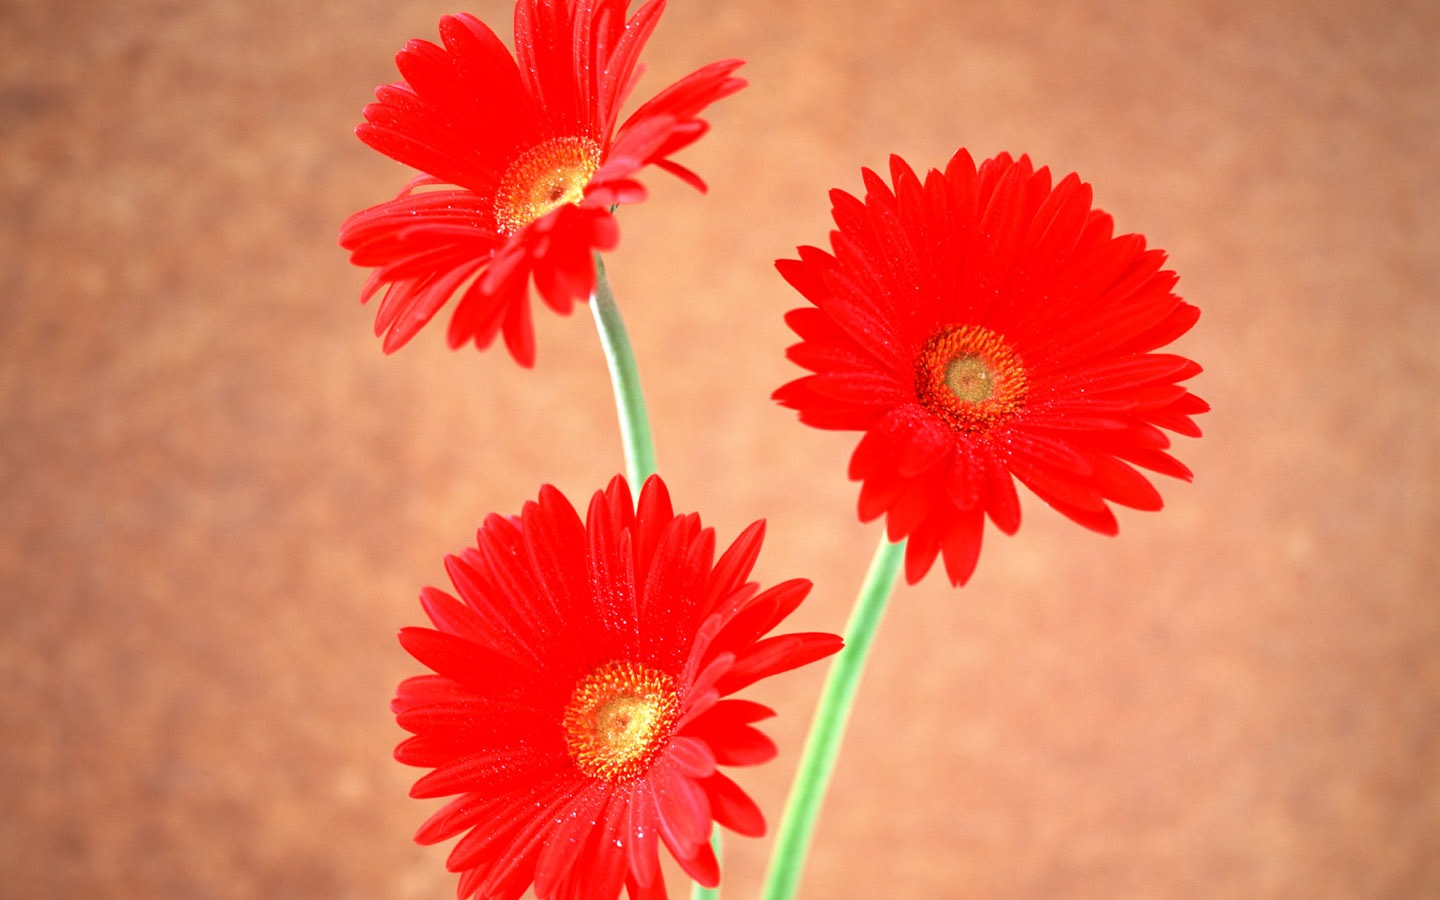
{"x":618,"y":718}
{"x":969,"y":376}
{"x":543,"y":178}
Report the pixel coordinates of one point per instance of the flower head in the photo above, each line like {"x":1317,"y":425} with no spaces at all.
{"x":981,"y":326}
{"x":581,"y":703}
{"x":522,"y":160}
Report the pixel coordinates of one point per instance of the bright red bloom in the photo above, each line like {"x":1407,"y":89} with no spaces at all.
{"x":581,"y":705}
{"x":522,"y":165}
{"x":979,"y":325}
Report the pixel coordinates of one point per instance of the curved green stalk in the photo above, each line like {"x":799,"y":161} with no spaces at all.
{"x":634,"y":423}
{"x":625,"y":379}
{"x":802,"y":809}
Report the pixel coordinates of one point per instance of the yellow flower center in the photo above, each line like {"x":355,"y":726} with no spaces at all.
{"x":543,"y":178}
{"x":969,"y":376}
{"x":618,"y":718}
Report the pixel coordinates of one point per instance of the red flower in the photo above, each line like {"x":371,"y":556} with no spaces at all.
{"x":522,"y":165}
{"x":983,"y":325}
{"x":579,"y":708}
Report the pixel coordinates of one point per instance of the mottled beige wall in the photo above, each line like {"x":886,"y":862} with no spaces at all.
{"x":218,"y":500}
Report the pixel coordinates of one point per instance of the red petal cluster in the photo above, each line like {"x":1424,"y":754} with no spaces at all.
{"x":1030,"y":277}
{"x":465,"y":112}
{"x":545,"y":602}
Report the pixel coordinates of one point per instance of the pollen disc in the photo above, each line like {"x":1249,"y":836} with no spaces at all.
{"x":970,"y":377}
{"x":618,"y":718}
{"x":544,"y":178}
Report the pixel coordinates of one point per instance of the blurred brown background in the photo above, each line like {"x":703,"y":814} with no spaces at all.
{"x":219,"y":499}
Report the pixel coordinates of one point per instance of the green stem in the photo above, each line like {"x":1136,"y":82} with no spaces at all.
{"x":792,"y":843}
{"x":625,"y":379}
{"x":634,"y":422}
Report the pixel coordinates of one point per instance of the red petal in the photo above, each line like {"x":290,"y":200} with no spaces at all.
{"x":775,"y":655}
{"x":733,"y":808}
{"x":961,"y":545}
{"x":684,"y":813}
{"x":691,"y":758}
{"x":642,"y":836}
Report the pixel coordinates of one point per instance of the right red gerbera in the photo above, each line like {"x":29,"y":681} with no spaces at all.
{"x":984,"y":324}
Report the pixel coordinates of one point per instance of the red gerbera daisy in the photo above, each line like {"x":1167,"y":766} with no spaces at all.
{"x":579,"y":707}
{"x":522,"y":165}
{"x":979,"y":325}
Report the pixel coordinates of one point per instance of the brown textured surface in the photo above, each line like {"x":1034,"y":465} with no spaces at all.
{"x":219,"y":499}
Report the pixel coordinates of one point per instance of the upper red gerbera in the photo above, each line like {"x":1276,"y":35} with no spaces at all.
{"x":529,"y":161}
{"x":578,"y":708}
{"x":984,"y":324}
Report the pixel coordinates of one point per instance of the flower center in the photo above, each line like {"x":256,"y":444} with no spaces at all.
{"x":969,"y":376}
{"x":543,"y":178}
{"x":618,"y":718}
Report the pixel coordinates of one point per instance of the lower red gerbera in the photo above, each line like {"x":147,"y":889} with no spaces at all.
{"x":580,"y":707}
{"x":981,"y":326}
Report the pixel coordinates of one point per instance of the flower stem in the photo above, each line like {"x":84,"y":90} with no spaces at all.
{"x":634,"y":424}
{"x":625,"y":379}
{"x":787,"y":860}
